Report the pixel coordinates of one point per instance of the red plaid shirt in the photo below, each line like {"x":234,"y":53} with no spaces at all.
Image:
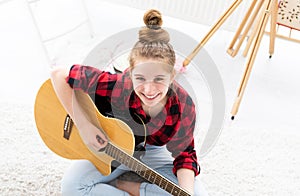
{"x":174,"y":126}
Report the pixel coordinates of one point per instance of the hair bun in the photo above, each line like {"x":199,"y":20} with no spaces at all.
{"x":153,"y":31}
{"x":153,"y":19}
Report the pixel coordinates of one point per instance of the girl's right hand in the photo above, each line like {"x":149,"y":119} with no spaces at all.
{"x":93,"y":137}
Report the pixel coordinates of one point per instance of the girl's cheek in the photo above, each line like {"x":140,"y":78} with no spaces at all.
{"x":137,"y":87}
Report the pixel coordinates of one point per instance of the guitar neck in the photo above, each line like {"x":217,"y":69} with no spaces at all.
{"x":144,"y":171}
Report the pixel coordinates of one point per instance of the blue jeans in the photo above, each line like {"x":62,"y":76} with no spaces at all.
{"x":82,"y":178}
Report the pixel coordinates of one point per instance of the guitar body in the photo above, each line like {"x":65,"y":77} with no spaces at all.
{"x":50,"y":119}
{"x":56,"y":130}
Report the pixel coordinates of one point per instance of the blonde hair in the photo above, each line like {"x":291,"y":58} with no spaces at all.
{"x":153,"y":41}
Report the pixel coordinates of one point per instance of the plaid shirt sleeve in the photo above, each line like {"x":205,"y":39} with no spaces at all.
{"x":91,"y":80}
{"x":182,"y":143}
{"x":83,"y":78}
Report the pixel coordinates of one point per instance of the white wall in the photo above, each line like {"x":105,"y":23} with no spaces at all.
{"x":22,"y":57}
{"x":24,"y":64}
{"x":205,"y":12}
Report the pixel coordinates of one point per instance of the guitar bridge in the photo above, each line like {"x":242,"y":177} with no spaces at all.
{"x":68,"y":124}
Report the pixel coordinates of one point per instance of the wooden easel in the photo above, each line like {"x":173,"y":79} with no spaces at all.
{"x":257,"y":15}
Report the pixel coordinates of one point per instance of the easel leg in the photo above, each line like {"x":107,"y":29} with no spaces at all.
{"x":212,"y":31}
{"x":243,"y":35}
{"x":231,"y":51}
{"x":250,"y":60}
{"x":259,"y":13}
{"x":273,"y":27}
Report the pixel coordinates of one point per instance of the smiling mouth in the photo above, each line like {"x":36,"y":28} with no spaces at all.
{"x":152,"y":97}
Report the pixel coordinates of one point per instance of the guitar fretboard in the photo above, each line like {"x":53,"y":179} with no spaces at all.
{"x":144,"y":171}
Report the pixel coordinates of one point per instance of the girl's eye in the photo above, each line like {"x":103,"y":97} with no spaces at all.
{"x":140,"y":79}
{"x":158,"y":79}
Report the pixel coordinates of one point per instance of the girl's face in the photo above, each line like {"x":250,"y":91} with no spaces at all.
{"x":151,"y":80}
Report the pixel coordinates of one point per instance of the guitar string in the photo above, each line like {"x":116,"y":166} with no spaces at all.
{"x":163,"y":182}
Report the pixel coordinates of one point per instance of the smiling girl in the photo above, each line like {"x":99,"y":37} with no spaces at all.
{"x":146,"y":89}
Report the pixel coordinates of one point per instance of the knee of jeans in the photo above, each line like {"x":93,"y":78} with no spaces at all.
{"x":65,"y":187}
{"x":69,"y":187}
{"x":143,"y":189}
{"x":148,"y":189}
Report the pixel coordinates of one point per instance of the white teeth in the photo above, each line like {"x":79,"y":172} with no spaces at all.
{"x":150,"y":97}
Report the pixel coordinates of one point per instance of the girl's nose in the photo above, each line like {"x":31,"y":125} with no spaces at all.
{"x":149,"y":87}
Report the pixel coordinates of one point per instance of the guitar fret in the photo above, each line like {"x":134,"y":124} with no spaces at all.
{"x":146,"y":175}
{"x":159,"y":182}
{"x":144,"y":171}
{"x":162,"y":183}
{"x":131,"y":163}
{"x":166,"y":185}
{"x":115,"y":153}
{"x":177,"y":191}
{"x":112,"y":152}
{"x":139,"y":172}
{"x":171,"y":191}
{"x":139,"y":169}
{"x":107,"y":150}
{"x":135,"y":167}
{"x":127,"y":162}
{"x":152,"y":176}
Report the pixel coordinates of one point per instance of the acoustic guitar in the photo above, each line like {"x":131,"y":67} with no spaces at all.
{"x":62,"y":137}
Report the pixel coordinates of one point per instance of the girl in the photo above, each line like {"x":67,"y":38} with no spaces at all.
{"x":146,"y":89}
